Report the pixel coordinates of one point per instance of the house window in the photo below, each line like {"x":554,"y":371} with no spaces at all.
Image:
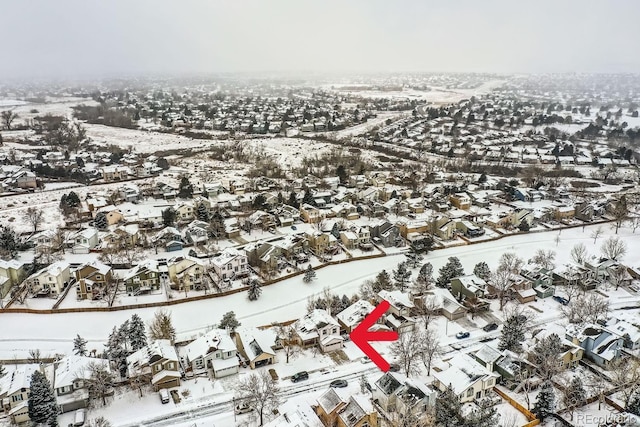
{"x":217,"y":355}
{"x":470,"y":392}
{"x":170,"y":365}
{"x":490,"y":382}
{"x":334,"y":331}
{"x":16,"y":398}
{"x":157,"y":368}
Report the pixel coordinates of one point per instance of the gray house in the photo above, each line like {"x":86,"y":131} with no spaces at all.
{"x":385,"y":233}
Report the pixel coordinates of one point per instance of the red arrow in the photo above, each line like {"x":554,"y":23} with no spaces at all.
{"x":361,"y":335}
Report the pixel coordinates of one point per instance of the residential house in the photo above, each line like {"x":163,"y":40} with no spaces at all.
{"x":542,"y":281}
{"x":112,"y":214}
{"x":394,"y":392}
{"x":12,"y":273}
{"x":84,"y":240}
{"x":570,"y":354}
{"x":256,"y":346}
{"x":115,"y":173}
{"x":158,"y":363}
{"x":72,"y":374}
{"x":230,"y":264}
{"x":600,"y":345}
{"x":356,"y":411}
{"x":196,"y":232}
{"x":445,"y":228}
{"x":142,"y":278}
{"x":386,"y":233}
{"x":295,"y":412}
{"x":318,"y":241}
{"x":14,"y":393}
{"x":468,"y":286}
{"x":351,"y":316}
{"x":185,"y":211}
{"x":468,"y":379}
{"x":349,"y":239}
{"x":460,"y":200}
{"x":310,"y":214}
{"x":186,"y":273}
{"x":215,"y":351}
{"x":92,"y":279}
{"x":319,"y":328}
{"x":627,"y":329}
{"x":263,"y":255}
{"x":469,"y":228}
{"x":51,"y":280}
{"x":398,"y":316}
{"x":344,"y":210}
{"x":447,"y":305}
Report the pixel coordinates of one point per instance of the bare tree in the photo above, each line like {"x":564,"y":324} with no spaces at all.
{"x":544,"y":259}
{"x":259,"y":392}
{"x":430,"y":348}
{"x":579,"y":253}
{"x":407,"y":350}
{"x":33,"y":216}
{"x":127,"y":253}
{"x":586,"y":309}
{"x":546,"y":356}
{"x":289,"y":342}
{"x":624,"y":373}
{"x":634,"y":222}
{"x":100,"y":381}
{"x":501,"y":283}
{"x":620,"y":213}
{"x":99,"y":422}
{"x":34,"y":356}
{"x":427,"y":308}
{"x":613,"y":248}
{"x":8,"y":117}
{"x":161,"y":327}
{"x":510,"y":262}
{"x":596,"y":234}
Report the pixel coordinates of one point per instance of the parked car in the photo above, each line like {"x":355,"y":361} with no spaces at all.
{"x":300,"y":376}
{"x":561,"y":300}
{"x":164,"y":396}
{"x":242,"y":408}
{"x":365,"y":359}
{"x":274,"y":374}
{"x":461,"y":335}
{"x":394,"y":367}
{"x":78,"y":418}
{"x":490,"y":327}
{"x":338,"y":383}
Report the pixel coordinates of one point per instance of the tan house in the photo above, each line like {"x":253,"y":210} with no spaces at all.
{"x":357,"y":411}
{"x":460,"y":200}
{"x":319,"y":328}
{"x":14,"y":393}
{"x":157,"y":363}
{"x":349,"y":239}
{"x":468,"y":379}
{"x":112,"y":213}
{"x":11,"y":274}
{"x":91,"y":280}
{"x":310,"y":214}
{"x":417,"y":226}
{"x":256,"y":346}
{"x":318,"y":241}
{"x":186,"y":273}
{"x":115,"y":173}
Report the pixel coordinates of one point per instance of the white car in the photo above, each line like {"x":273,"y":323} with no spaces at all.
{"x":242,"y":408}
{"x":365,"y":359}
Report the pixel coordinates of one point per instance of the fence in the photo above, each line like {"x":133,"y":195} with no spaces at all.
{"x":533,"y":421}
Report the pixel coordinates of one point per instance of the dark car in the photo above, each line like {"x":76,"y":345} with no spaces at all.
{"x":490,"y":327}
{"x":461,"y":335}
{"x":561,"y":300}
{"x":394,"y":367}
{"x":300,"y":376}
{"x":338,"y":383}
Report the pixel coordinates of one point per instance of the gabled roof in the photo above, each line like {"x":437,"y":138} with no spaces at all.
{"x":216,"y":339}
{"x":329,"y":400}
{"x":74,"y":367}
{"x":354,"y":314}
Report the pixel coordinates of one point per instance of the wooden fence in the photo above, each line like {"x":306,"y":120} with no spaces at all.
{"x":533,"y":421}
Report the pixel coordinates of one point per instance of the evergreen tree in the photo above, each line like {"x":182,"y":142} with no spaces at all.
{"x":229,"y":321}
{"x":309,"y":274}
{"x":254,"y":290}
{"x":185,"y":190}
{"x":204,"y":193}
{"x":382,"y":282}
{"x":100,"y":221}
{"x":335,"y":230}
{"x":137,"y":334}
{"x":426,"y":273}
{"x":8,"y":242}
{"x":79,"y":346}
{"x":308,"y":198}
{"x":449,"y":409}
{"x":161,"y":327}
{"x":342,"y":174}
{"x":202,"y":212}
{"x":116,"y":352}
{"x":453,"y":268}
{"x":482,"y":270}
{"x":513,"y":333}
{"x":169,"y":216}
{"x":293,"y":200}
{"x":163,"y":163}
{"x":123,"y":332}
{"x":42,"y":405}
{"x":545,"y":402}
{"x":401,"y":276}
{"x":634,"y":403}
{"x":575,"y":391}
{"x":413,"y":257}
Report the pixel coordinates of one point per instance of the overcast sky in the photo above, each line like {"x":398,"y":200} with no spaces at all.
{"x":90,"y":38}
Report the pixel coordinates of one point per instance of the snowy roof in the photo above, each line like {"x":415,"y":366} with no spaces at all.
{"x":71,"y":368}
{"x":462,"y":373}
{"x":216,"y":339}
{"x":488,"y":354}
{"x":295,"y":412}
{"x":149,"y":264}
{"x":16,"y":380}
{"x":329,"y":400}
{"x":221,"y":364}
{"x":12,"y":263}
{"x":159,"y":349}
{"x":257,"y":341}
{"x":354,"y":314}
{"x":54,"y":269}
{"x":472,"y":282}
{"x":97,"y":265}
{"x":352,"y":413}
{"x":396,"y":298}
{"x":307,"y":326}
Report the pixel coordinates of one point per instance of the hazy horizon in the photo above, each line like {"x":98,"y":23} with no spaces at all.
{"x":80,"y":39}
